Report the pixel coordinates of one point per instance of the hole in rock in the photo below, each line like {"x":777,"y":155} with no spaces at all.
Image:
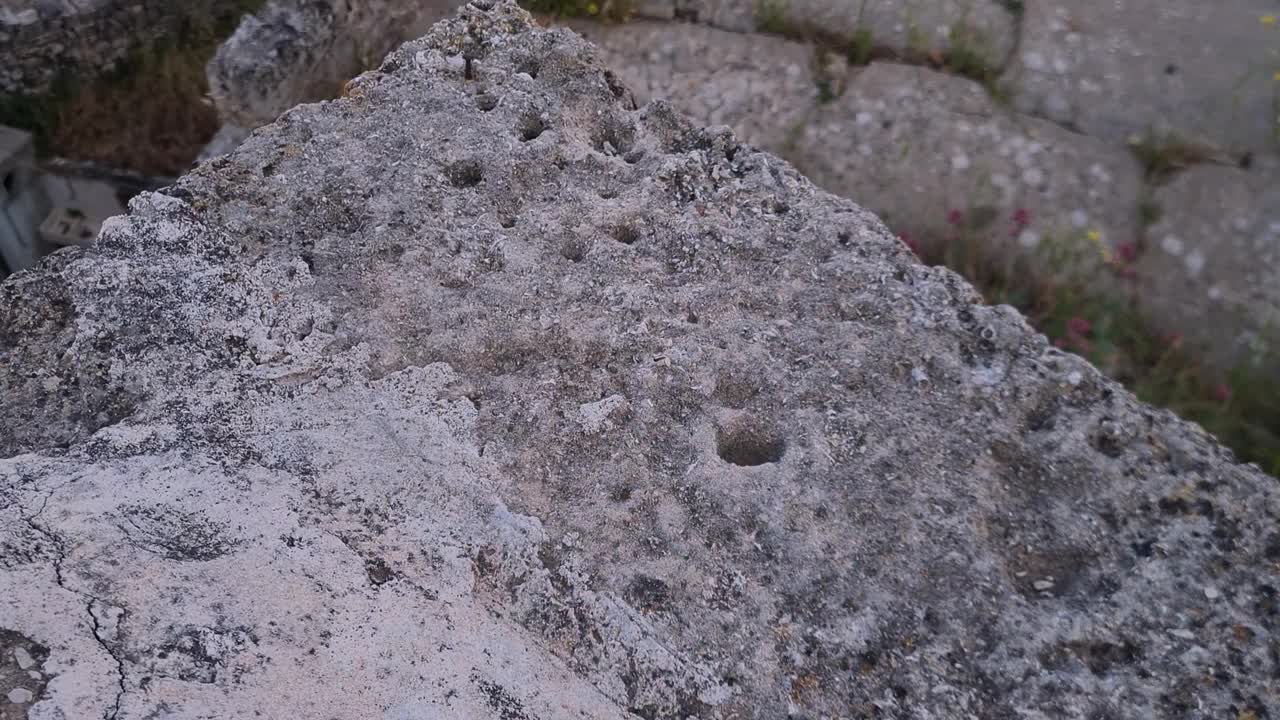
{"x":464,"y":173}
{"x":750,"y":444}
{"x":486,"y":102}
{"x":574,"y":249}
{"x":531,"y":126}
{"x":529,"y":66}
{"x":626,"y":234}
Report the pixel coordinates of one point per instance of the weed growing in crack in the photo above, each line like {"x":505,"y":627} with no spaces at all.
{"x":771,"y":17}
{"x":968,"y":55}
{"x":610,"y":10}
{"x":1164,"y":154}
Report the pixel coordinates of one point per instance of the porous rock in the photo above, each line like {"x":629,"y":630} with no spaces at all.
{"x":762,"y":86}
{"x":363,"y":468}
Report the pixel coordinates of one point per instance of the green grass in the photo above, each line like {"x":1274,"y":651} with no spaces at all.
{"x":1163,"y":154}
{"x":1055,"y":288}
{"x":969,"y":55}
{"x":148,"y":114}
{"x":612,"y":10}
{"x":771,"y":17}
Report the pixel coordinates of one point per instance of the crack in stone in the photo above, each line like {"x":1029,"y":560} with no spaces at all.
{"x":95,"y":624}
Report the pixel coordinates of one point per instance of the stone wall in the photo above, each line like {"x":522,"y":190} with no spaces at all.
{"x":39,"y":39}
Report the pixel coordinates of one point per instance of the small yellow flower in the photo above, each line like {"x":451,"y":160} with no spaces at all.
{"x":1268,"y":19}
{"x":1106,"y":253}
{"x":592,"y":9}
{"x":1276,"y":76}
{"x":1095,"y":236}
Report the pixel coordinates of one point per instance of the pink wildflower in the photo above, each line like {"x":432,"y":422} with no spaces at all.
{"x":1128,"y":252}
{"x":910,"y":242}
{"x":1078,"y":325}
{"x":955,"y":217}
{"x":1222,"y":392}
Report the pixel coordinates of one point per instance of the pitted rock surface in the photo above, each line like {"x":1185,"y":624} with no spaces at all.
{"x":764,"y":87}
{"x":483,"y":393}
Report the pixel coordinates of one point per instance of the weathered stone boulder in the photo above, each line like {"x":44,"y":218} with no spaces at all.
{"x":1200,"y":71}
{"x":916,"y":145}
{"x":764,"y":87}
{"x":1211,"y":269}
{"x":42,"y":41}
{"x":295,"y":51}
{"x":985,"y":27}
{"x":483,"y":393}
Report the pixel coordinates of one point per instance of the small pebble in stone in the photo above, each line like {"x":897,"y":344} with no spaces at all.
{"x":1194,"y":262}
{"x":23,"y":658}
{"x":1075,"y":377}
{"x":1212,"y":592}
{"x":1184,"y":634}
{"x":20,"y":696}
{"x":1042,"y":585}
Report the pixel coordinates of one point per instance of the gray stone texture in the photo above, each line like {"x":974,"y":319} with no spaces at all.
{"x":502,"y":398}
{"x":1211,"y":268}
{"x":43,"y":39}
{"x":764,"y":87}
{"x":1202,"y":70}
{"x":914,"y":145}
{"x":295,"y":51}
{"x":899,"y":25}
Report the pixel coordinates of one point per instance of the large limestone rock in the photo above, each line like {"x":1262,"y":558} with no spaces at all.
{"x":1211,"y":268}
{"x":986,"y":27}
{"x":916,"y":145}
{"x":1202,"y":71}
{"x":498,"y":397}
{"x":764,"y":87}
{"x":295,"y":51}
